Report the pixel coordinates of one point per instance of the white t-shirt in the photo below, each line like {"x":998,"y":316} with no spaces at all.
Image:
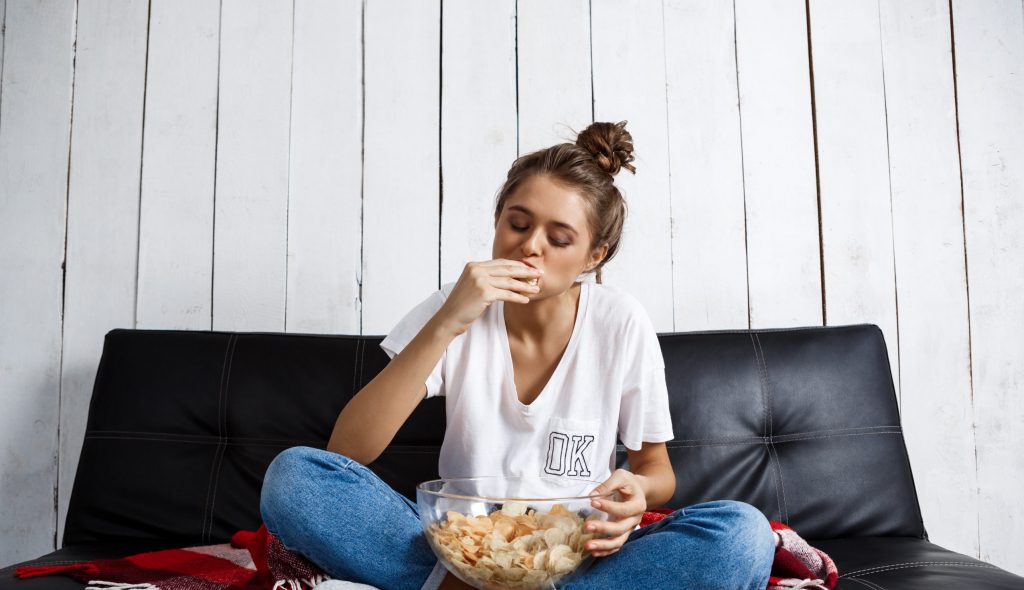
{"x":610,"y":382}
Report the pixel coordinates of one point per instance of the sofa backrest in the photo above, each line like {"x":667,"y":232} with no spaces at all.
{"x":802,"y":423}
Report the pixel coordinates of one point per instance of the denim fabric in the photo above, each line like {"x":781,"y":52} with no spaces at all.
{"x":332,"y":510}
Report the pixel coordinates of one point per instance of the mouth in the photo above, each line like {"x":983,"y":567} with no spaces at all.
{"x":532,"y":280}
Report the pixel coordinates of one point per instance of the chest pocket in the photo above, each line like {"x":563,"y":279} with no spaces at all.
{"x":570,"y":448}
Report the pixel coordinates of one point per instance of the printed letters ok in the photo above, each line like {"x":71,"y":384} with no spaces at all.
{"x":566,"y":454}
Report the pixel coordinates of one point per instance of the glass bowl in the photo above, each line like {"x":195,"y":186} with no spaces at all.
{"x":509,"y":532}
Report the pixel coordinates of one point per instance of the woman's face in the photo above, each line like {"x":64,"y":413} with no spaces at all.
{"x":544,"y":225}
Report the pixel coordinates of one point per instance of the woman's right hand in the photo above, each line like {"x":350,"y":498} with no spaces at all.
{"x":483,"y":283}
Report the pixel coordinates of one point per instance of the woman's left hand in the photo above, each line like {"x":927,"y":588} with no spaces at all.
{"x":623,"y":516}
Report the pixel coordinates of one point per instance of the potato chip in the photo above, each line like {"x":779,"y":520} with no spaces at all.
{"x":513,"y":547}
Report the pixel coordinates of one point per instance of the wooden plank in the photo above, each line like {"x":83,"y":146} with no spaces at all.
{"x":103,"y":207}
{"x":3,"y":13}
{"x":35,"y":126}
{"x":553,"y":55}
{"x":709,"y":260}
{"x":779,"y":177}
{"x":931,"y":280}
{"x":401,"y":191}
{"x":478,"y":125}
{"x":251,"y":194}
{"x":853,"y":169}
{"x":179,"y":147}
{"x":325,"y":178}
{"x":989,"y":46}
{"x":629,"y":84}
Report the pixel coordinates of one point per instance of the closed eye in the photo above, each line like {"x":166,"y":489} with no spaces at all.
{"x":554,"y":243}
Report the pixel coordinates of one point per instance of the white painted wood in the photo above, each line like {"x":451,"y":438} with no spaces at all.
{"x":103,"y":207}
{"x":553,"y":53}
{"x":401,"y":190}
{"x":854,"y":170}
{"x":931,"y":280}
{"x":3,"y":11}
{"x":34,"y":128}
{"x":989,"y":39}
{"x":478,"y":125}
{"x":326,"y":176}
{"x":179,"y":153}
{"x":709,"y":259}
{"x":251,"y":194}
{"x":783,"y":259}
{"x":629,"y":85}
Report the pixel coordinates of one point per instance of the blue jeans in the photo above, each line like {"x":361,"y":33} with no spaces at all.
{"x":343,"y":518}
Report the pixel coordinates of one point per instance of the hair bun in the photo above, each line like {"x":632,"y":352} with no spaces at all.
{"x":610,"y":144}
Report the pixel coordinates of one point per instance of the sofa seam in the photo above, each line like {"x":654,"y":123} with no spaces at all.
{"x":771,"y":426}
{"x":906,"y":565}
{"x":766,"y":427}
{"x":355,"y":367}
{"x":867,"y":583}
{"x":218,"y":454}
{"x":223,"y":444}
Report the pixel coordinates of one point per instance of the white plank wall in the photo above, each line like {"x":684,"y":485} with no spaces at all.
{"x":782,"y":235}
{"x":103,"y":185}
{"x":553,"y":72}
{"x":989,"y":46}
{"x":709,"y":254}
{"x":931,"y":281}
{"x":319,"y":167}
{"x":401,"y":192}
{"x":478,"y":125}
{"x":179,"y":144}
{"x":250,"y":235}
{"x":629,"y":84}
{"x":35,"y":131}
{"x":853,"y":168}
{"x":325,"y":174}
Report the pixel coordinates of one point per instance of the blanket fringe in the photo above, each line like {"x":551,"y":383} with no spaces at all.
{"x":300,"y":583}
{"x":101,"y":585}
{"x":808,"y":584}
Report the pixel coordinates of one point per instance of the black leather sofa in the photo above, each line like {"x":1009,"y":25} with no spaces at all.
{"x":802,"y":423}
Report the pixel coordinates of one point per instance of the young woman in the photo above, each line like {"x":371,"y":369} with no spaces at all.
{"x":539,"y":380}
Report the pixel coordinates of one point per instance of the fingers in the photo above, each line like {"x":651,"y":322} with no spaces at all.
{"x":512,"y":268}
{"x":603,"y":547}
{"x":619,"y":510}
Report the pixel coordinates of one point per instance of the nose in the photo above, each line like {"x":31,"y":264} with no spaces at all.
{"x":531,"y":243}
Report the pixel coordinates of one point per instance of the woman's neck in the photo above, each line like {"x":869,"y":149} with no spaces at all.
{"x":536,"y":321}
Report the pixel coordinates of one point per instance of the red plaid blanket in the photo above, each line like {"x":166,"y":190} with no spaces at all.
{"x":259,"y":561}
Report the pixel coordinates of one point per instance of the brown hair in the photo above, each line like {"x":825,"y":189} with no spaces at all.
{"x":588,"y":167}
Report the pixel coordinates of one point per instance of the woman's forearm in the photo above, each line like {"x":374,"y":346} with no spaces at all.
{"x":370,"y":420}
{"x":658,"y":480}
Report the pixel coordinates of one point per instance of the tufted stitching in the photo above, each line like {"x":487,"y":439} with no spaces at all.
{"x":766,"y":424}
{"x":838,"y":431}
{"x":899,"y":566}
{"x":867,"y":583}
{"x":837,"y":435}
{"x":221,"y":439}
{"x":771,"y":427}
{"x":362,"y":363}
{"x":223,"y":442}
{"x":782,"y":437}
{"x":199,"y":438}
{"x":355,"y":367}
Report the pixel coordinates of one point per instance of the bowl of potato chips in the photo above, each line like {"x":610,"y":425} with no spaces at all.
{"x":509,"y":532}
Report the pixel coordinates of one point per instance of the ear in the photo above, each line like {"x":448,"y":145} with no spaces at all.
{"x":596,"y":256}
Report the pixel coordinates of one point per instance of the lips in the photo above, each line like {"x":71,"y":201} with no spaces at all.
{"x":531,"y":280}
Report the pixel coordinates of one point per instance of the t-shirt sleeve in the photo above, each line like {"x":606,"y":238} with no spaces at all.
{"x":407,"y":329}
{"x":644,"y":410}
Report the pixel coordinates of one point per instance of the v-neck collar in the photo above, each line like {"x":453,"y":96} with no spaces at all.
{"x":543,"y":396}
